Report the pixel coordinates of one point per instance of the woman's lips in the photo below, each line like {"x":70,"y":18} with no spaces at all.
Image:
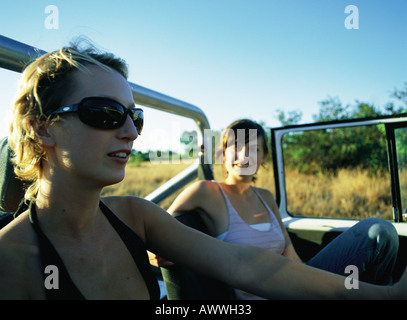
{"x":120,"y":155}
{"x":241,"y":165}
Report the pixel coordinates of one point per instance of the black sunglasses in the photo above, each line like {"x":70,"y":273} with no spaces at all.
{"x":103,"y":113}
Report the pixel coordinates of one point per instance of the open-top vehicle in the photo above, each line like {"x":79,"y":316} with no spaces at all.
{"x":310,"y":230}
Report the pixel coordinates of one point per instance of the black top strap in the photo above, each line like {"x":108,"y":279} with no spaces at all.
{"x":67,"y":289}
{"x":137,"y":249}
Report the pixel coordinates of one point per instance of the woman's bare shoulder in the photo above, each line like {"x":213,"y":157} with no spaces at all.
{"x":200,"y":194}
{"x":19,"y":254}
{"x":204,"y":188}
{"x":132,"y":210}
{"x":18,"y":231}
{"x":128,"y":206}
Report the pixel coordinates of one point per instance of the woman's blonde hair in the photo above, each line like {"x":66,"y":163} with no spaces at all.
{"x":44,"y":84}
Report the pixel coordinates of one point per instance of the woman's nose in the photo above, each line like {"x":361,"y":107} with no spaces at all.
{"x":241,"y":153}
{"x":128,"y":130}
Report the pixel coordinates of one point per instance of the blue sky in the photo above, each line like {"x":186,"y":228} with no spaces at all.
{"x":231,"y":58}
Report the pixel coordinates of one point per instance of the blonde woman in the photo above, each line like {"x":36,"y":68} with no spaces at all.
{"x":73,"y":127}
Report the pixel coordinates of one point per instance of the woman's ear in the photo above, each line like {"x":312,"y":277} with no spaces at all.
{"x":41,"y":130}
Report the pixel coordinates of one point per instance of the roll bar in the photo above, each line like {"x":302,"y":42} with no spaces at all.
{"x":16,"y":55}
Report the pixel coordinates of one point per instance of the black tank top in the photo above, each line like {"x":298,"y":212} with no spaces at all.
{"x":67,"y":289}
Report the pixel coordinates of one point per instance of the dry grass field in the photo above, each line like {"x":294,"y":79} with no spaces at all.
{"x":348,"y":194}
{"x":143,"y":179}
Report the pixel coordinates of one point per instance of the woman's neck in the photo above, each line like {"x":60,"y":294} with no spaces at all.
{"x":238,"y":186}
{"x":65,"y":209}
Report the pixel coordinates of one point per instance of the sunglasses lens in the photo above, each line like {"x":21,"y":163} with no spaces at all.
{"x":138,"y":119}
{"x":108,"y":114}
{"x":102,"y":113}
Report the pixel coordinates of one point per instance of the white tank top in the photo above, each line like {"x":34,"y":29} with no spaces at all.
{"x":268,"y":236}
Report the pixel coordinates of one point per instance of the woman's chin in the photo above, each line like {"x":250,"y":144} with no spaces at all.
{"x":245,"y":170}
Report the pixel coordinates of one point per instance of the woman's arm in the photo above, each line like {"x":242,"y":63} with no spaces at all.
{"x":190,"y":198}
{"x":249,"y":268}
{"x":289,"y":250}
{"x":186,"y":200}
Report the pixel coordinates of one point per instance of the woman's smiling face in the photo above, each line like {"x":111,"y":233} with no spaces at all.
{"x":244,"y":159}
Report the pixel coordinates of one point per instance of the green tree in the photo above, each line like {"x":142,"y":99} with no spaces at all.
{"x":340,"y":148}
{"x":293,"y":117}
